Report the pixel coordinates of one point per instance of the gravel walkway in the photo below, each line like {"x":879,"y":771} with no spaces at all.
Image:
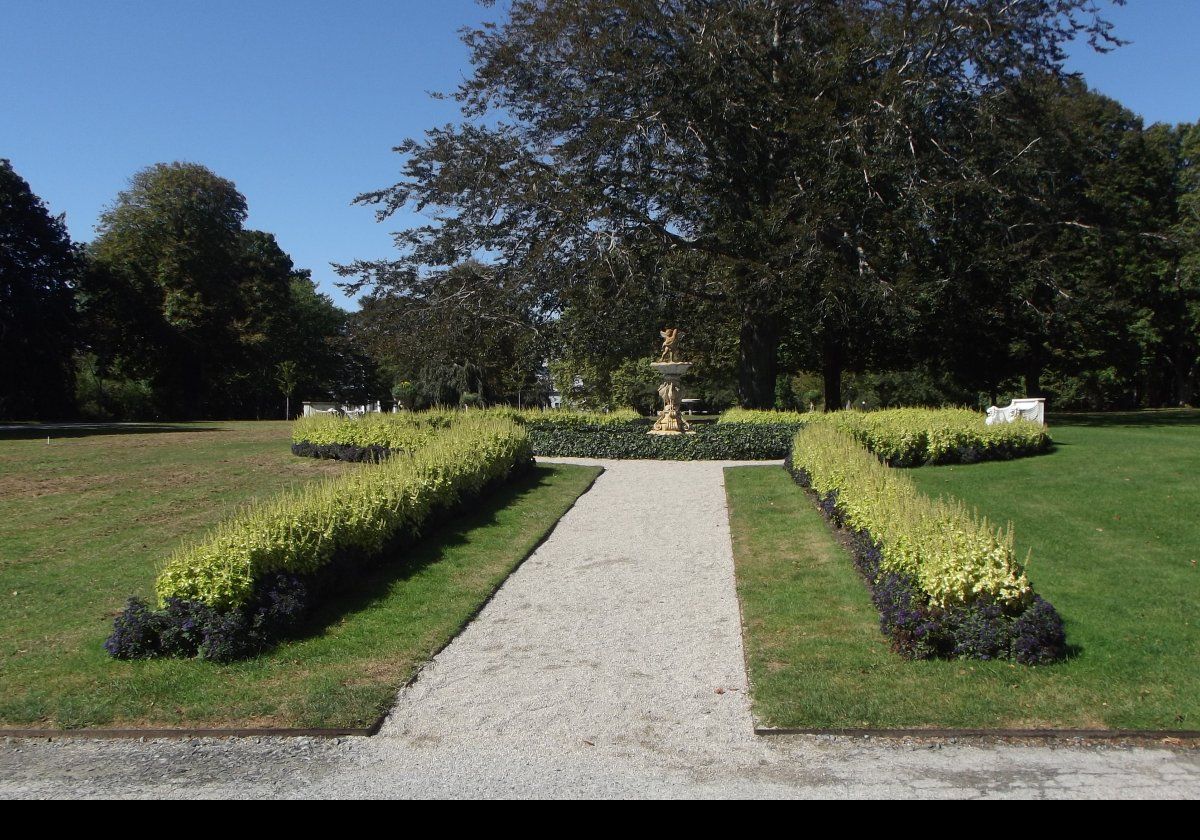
{"x":609,"y":664}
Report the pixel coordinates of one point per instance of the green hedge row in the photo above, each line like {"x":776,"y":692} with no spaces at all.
{"x":716,"y":441}
{"x":301,"y":531}
{"x":905,"y":437}
{"x":953,"y":555}
{"x":403,"y":431}
{"x":946,"y":582}
{"x":912,"y":437}
{"x":618,"y":434}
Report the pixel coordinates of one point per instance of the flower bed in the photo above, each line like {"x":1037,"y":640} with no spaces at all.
{"x":946,"y":583}
{"x":246,"y":582}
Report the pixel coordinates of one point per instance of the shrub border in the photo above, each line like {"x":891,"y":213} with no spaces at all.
{"x":277,"y":606}
{"x":981,"y":630}
{"x":618,"y":441}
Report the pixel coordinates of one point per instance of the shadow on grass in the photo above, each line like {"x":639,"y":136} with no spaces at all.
{"x":1149,"y":418}
{"x":55,"y":431}
{"x":372,"y":583}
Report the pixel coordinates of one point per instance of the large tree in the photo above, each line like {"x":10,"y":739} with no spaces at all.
{"x":39,"y":269}
{"x":771,"y":156}
{"x":173,"y":244}
{"x":182,"y":297}
{"x":1179,"y":302}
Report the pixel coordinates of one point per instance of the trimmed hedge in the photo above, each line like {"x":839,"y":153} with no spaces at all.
{"x":764,"y":416}
{"x":243,"y":584}
{"x":554,"y":433}
{"x":911,"y":437}
{"x":715,"y":441}
{"x":562,"y":417}
{"x":946,"y":583}
{"x":904,"y":437}
{"x":405,"y":431}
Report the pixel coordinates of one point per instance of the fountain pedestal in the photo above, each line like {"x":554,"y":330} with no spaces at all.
{"x":670,"y":419}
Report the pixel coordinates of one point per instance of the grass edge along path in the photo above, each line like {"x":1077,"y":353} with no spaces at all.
{"x":816,"y":659}
{"x":344,"y":670}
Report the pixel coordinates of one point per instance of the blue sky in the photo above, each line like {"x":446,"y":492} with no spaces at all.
{"x":299,"y":103}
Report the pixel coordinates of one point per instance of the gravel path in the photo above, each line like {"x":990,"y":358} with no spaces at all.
{"x":609,"y":664}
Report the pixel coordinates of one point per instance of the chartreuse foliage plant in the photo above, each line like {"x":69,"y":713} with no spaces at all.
{"x":400,"y":432}
{"x":954,"y":556}
{"x":225,"y":594}
{"x":946,"y":582}
{"x":764,"y":416}
{"x":561,"y":417}
{"x":302,"y":530}
{"x":912,"y":437}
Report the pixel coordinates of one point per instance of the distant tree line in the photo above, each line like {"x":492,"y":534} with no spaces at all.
{"x":869,"y":200}
{"x":174,"y":310}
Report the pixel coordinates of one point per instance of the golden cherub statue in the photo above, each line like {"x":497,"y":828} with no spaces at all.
{"x":670,"y":348}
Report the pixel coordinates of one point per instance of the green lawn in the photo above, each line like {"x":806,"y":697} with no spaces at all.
{"x":1112,"y":519}
{"x":85,"y":519}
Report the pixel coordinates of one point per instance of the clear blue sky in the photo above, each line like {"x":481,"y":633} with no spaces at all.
{"x":299,"y":103}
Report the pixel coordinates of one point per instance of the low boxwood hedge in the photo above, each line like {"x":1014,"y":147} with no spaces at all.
{"x":912,"y":437}
{"x":946,"y":583}
{"x":899,"y":437}
{"x":715,"y":441}
{"x":235,"y":590}
{"x":618,"y":434}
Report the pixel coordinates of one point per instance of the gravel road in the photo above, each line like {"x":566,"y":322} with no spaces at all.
{"x":609,"y":665}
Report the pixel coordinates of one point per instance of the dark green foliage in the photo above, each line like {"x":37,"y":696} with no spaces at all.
{"x":182,"y":304}
{"x":716,"y":441}
{"x":764,"y":171}
{"x":1068,"y":279}
{"x":39,"y":270}
{"x":462,"y":336}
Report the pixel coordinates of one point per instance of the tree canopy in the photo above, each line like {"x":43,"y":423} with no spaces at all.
{"x":182,"y":298}
{"x":39,"y":269}
{"x":764,"y":158}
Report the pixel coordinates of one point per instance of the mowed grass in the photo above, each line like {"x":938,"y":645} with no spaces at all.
{"x":85,"y":520}
{"x":1111,"y":518}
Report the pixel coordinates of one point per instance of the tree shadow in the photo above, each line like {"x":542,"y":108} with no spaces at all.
{"x":80,"y":430}
{"x":1150,"y":418}
{"x":366,"y":585}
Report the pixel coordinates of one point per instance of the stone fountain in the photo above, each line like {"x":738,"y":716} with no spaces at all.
{"x":670,"y":369}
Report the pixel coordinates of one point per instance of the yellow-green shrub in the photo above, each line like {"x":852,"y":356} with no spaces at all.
{"x":409,"y":430}
{"x":403,"y":431}
{"x":909,"y":437}
{"x":760,"y":416}
{"x":564,"y":417}
{"x":301,"y":531}
{"x":952,"y":554}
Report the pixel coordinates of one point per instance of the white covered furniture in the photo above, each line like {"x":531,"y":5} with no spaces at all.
{"x":1029,"y":408}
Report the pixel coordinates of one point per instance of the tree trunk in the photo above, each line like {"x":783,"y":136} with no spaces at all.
{"x":1033,"y":380}
{"x":758,"y":360}
{"x":1183,"y":373}
{"x":832,"y":360}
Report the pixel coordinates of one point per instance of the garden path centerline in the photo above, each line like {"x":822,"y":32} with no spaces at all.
{"x":622,"y":626}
